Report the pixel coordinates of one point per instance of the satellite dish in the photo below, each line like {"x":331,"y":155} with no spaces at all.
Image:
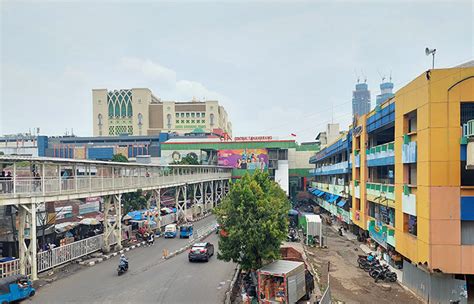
{"x":429,"y":51}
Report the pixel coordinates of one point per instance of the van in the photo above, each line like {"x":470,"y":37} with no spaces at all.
{"x":170,"y":231}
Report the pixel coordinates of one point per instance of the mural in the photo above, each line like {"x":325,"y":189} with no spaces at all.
{"x":243,"y":158}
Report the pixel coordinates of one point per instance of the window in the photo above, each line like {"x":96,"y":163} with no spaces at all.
{"x":410,"y":224}
{"x":211,"y":122}
{"x":187,"y":115}
{"x":140,"y":120}
{"x":198,"y":115}
{"x":410,"y":122}
{"x":203,"y":114}
{"x":182,"y":115}
{"x":412,"y":174}
{"x":177,"y":115}
{"x":467,"y":232}
{"x":168,"y":119}
{"x":192,"y":115}
{"x":99,"y":120}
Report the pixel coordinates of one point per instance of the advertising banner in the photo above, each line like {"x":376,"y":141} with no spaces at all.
{"x":243,"y":158}
{"x":91,"y":204}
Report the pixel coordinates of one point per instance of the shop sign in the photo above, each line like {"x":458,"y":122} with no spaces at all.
{"x":63,"y":212}
{"x":253,"y":138}
{"x":378,"y":233}
{"x":91,"y":205}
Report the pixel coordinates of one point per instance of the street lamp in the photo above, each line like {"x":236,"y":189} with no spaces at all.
{"x":429,"y":51}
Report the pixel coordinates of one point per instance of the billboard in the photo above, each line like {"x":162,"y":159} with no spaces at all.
{"x":243,"y":158}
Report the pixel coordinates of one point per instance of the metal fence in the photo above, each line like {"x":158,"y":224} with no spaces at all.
{"x":60,"y":255}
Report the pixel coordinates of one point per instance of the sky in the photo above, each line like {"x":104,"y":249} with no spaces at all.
{"x":278,"y":67}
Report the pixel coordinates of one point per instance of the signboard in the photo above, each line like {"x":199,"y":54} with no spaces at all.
{"x":250,"y":159}
{"x":92,"y":204}
{"x":63,"y":212}
{"x":253,"y":138}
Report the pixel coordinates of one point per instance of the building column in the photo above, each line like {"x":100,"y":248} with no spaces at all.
{"x":27,"y":252}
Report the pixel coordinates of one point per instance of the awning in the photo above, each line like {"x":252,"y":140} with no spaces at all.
{"x":333,"y":198}
{"x":341,"y":203}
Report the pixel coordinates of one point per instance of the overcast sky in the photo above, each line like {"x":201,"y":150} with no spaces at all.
{"x":277,"y":67}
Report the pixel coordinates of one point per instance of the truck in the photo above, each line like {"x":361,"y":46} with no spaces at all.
{"x":282,"y":282}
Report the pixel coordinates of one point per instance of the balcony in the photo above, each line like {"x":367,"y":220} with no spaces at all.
{"x":341,"y":190}
{"x":381,"y":193}
{"x":468,"y":129}
{"x":356,"y":189}
{"x":381,"y":155}
{"x":408,"y":150}
{"x":339,"y":168}
{"x":357,"y":160}
{"x":408,"y":200}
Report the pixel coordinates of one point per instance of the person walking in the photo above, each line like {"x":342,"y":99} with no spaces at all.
{"x":3,"y":187}
{"x":9,"y":182}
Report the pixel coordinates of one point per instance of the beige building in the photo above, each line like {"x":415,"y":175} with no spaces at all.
{"x":139,"y":112}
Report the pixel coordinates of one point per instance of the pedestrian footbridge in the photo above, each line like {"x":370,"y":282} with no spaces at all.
{"x":30,"y":182}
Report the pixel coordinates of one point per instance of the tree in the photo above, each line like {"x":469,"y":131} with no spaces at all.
{"x":120,"y":158}
{"x":254,"y":218}
{"x":189,"y":159}
{"x":134,"y":201}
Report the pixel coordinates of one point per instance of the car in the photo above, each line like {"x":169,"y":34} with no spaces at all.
{"x":201,"y":251}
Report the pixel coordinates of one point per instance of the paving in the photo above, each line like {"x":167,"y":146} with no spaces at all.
{"x":349,"y":283}
{"x":150,"y":279}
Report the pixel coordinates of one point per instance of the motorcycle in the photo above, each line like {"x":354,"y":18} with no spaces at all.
{"x":385,"y":275}
{"x":122,"y":268}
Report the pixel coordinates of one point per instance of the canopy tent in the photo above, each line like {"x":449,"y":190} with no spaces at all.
{"x":341,"y":203}
{"x":333,"y":198}
{"x":292,"y":212}
{"x":64,"y":227}
{"x":135,"y":215}
{"x":89,"y":221}
{"x":321,"y":193}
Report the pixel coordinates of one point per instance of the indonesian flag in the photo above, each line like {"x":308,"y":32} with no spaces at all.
{"x":293,"y":134}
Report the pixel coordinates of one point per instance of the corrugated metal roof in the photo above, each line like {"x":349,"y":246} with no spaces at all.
{"x":281,"y":267}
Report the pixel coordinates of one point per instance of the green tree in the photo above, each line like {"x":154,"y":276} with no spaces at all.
{"x":189,"y":159}
{"x":134,"y":201}
{"x":254,"y":219}
{"x":120,"y":158}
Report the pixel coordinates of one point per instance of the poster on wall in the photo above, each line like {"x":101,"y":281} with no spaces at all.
{"x":243,"y":158}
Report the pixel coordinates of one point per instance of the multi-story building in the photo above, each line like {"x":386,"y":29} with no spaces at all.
{"x":360,"y":99}
{"x":138,"y":112}
{"x":412,"y":189}
{"x":386,"y":93}
{"x":284,"y":159}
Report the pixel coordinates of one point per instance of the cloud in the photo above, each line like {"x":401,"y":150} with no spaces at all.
{"x":149,"y":69}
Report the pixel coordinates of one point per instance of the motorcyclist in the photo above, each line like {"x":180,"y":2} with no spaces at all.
{"x":151,"y":239}
{"x":123,"y":261}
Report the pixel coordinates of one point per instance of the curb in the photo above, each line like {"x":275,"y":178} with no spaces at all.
{"x":113,"y":254}
{"x":228,"y":293}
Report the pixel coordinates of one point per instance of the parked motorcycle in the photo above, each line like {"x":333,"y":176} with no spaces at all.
{"x":385,"y":275}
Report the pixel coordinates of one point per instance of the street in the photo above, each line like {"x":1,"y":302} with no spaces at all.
{"x":150,"y":279}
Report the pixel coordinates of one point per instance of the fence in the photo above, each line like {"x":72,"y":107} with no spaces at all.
{"x":60,"y":255}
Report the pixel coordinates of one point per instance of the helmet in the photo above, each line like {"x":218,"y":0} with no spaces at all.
{"x":122,"y":255}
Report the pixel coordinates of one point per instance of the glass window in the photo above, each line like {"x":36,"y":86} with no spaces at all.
{"x":198,"y":114}
{"x":192,"y":115}
{"x":177,"y":114}
{"x":187,"y":114}
{"x":182,"y":115}
{"x":203,"y":114}
{"x":211,"y":121}
{"x":111,"y":109}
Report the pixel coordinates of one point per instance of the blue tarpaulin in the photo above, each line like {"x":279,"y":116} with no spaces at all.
{"x":341,"y":203}
{"x":321,"y":193}
{"x":136,"y":215}
{"x":316,"y":192}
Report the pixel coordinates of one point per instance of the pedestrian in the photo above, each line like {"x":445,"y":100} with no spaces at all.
{"x":9,"y":182}
{"x":2,"y":182}
{"x":37,"y":181}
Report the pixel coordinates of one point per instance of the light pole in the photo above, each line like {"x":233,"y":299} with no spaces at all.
{"x":429,"y":51}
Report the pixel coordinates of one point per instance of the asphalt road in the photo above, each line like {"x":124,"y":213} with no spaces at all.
{"x":149,"y":279}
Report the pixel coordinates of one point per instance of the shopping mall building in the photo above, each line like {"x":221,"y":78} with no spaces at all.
{"x":403,"y":175}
